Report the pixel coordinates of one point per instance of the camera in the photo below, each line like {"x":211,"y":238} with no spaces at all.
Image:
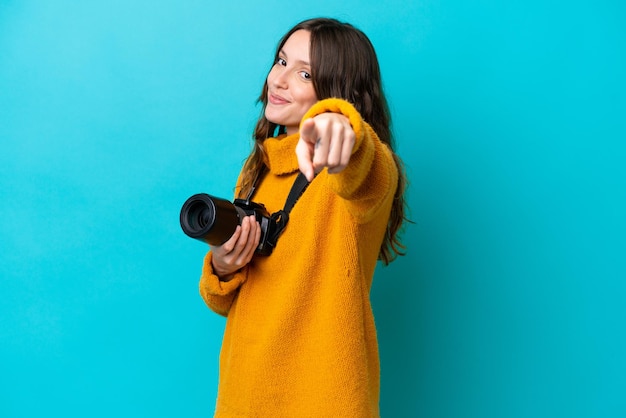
{"x":213,"y":220}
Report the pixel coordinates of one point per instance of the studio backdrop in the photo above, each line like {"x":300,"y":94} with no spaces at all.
{"x":509,"y":116}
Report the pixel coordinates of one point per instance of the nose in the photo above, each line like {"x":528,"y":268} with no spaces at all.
{"x":278,"y":78}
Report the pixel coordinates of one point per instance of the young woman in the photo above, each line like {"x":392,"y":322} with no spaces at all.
{"x":300,"y":339}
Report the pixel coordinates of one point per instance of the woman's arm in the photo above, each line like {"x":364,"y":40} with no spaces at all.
{"x":361,"y":167}
{"x":225,"y":269}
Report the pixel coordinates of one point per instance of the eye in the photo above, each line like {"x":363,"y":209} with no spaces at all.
{"x":305,"y":75}
{"x":281,"y":61}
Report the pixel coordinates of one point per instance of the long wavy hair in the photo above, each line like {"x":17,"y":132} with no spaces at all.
{"x":343,"y":65}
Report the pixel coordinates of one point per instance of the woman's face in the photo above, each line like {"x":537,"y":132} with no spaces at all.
{"x":290,"y":90}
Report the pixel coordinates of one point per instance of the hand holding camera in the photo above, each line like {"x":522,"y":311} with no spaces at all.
{"x":238,"y":250}
{"x":236,"y":231}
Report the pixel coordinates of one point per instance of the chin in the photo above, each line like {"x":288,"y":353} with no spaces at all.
{"x":272,"y":117}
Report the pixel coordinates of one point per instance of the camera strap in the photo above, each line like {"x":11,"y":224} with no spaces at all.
{"x":281,"y":217}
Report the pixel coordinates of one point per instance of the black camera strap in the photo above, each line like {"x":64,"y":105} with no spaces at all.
{"x":281,"y":217}
{"x":299,"y":186}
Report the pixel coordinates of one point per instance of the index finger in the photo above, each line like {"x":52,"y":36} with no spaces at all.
{"x":308,"y":131}
{"x":228,"y":246}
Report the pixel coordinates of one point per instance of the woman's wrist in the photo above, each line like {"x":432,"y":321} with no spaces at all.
{"x":223,"y":276}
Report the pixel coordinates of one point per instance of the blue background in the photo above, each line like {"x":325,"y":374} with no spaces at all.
{"x":510,"y":116}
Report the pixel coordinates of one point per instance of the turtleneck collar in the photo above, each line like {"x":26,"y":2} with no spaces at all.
{"x":281,"y":153}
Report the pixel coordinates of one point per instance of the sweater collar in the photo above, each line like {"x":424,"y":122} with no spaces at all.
{"x":281,"y":154}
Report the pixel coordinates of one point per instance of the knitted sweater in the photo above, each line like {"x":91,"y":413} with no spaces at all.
{"x":300,"y":339}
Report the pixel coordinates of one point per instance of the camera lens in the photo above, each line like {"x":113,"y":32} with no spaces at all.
{"x":200,"y":215}
{"x":209,"y":219}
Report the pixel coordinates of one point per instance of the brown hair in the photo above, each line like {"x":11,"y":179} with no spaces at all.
{"x":343,"y":65}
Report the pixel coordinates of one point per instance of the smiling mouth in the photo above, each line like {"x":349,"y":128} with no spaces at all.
{"x":277,"y":100}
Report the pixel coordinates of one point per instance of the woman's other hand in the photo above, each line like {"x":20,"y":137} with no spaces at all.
{"x":326,"y":140}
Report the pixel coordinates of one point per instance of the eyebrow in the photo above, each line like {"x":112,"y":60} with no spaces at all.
{"x":282,"y":52}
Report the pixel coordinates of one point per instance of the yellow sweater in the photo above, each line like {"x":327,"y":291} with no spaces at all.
{"x":300,"y":339}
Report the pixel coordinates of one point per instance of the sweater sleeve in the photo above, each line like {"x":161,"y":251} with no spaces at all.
{"x":219,"y":295}
{"x":370,"y":179}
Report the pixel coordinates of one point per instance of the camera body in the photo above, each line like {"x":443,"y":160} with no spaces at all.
{"x":214,"y":220}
